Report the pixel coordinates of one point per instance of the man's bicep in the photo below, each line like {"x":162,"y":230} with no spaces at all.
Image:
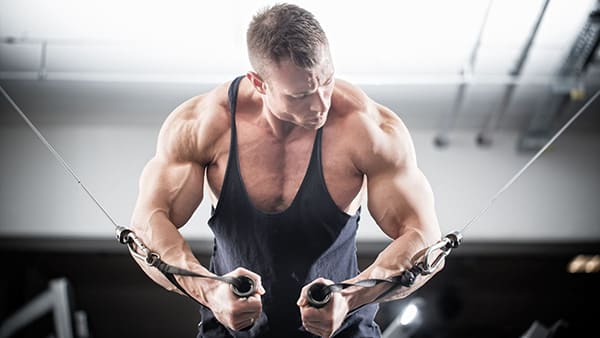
{"x":400,"y":199}
{"x":174,"y":188}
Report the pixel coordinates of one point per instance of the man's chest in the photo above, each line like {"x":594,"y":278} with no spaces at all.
{"x":272,"y":172}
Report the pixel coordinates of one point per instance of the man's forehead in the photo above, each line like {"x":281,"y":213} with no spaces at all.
{"x":312,"y":82}
{"x":302,"y":81}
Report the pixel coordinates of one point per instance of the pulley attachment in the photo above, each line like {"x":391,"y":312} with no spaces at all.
{"x":241,"y":286}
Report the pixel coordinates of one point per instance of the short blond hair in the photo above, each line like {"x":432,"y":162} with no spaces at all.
{"x":285,"y":32}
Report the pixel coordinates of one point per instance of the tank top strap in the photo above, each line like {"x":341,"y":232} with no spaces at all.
{"x":313,"y":179}
{"x":231,"y":181}
{"x":232,"y":95}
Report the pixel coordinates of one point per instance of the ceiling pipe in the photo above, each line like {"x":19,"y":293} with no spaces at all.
{"x":43,"y":73}
{"x":484,"y":137}
{"x":449,"y":119}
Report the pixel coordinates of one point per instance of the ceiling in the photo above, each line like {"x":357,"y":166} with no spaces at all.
{"x":132,"y":62}
{"x":400,"y":41}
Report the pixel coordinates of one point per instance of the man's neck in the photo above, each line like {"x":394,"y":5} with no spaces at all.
{"x":282,"y":129}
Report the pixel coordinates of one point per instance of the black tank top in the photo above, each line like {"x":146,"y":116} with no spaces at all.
{"x":311,"y":238}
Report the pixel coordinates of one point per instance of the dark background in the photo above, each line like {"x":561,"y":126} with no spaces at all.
{"x":485,"y":290}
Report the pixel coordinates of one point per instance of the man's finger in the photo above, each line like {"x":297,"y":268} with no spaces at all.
{"x":313,"y":329}
{"x":244,"y":323}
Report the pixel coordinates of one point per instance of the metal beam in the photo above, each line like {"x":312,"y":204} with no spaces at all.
{"x":568,"y":85}
{"x":55,"y":299}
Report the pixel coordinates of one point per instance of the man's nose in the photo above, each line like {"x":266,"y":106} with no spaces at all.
{"x":319,"y":102}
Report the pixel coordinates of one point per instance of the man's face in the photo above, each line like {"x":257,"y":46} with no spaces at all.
{"x":300,"y":96}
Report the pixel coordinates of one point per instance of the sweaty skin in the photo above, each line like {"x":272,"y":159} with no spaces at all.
{"x":366,"y":149}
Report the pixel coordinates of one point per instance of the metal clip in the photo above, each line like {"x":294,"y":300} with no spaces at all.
{"x":134,"y":243}
{"x":440,"y":250}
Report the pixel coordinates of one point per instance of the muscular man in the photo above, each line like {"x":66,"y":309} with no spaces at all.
{"x":288,"y":153}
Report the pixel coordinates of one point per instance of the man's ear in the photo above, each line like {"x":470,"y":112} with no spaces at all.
{"x":257,"y":82}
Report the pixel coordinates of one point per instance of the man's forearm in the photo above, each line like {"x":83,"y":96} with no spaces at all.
{"x":399,"y":256}
{"x":161,"y":236}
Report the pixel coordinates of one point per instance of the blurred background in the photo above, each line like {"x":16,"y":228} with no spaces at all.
{"x":482,"y":85}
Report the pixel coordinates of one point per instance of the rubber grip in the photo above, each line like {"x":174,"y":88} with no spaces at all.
{"x":243,"y":286}
{"x":318,"y":295}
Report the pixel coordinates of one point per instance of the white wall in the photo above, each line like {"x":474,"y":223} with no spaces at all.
{"x":557,"y":199}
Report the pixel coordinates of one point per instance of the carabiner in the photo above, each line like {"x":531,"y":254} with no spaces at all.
{"x":444,"y":247}
{"x":133,"y":242}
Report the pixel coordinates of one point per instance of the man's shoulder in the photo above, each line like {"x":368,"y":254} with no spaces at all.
{"x":377,"y":134}
{"x":361,"y":113}
{"x":213,"y":108}
{"x":196,"y":124}
{"x":349,"y":100}
{"x":202,"y":107}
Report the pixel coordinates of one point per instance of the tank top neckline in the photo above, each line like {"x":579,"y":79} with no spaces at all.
{"x":307,"y":175}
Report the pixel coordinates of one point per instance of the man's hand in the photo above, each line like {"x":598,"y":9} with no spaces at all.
{"x":326,"y":320}
{"x":234,"y":312}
